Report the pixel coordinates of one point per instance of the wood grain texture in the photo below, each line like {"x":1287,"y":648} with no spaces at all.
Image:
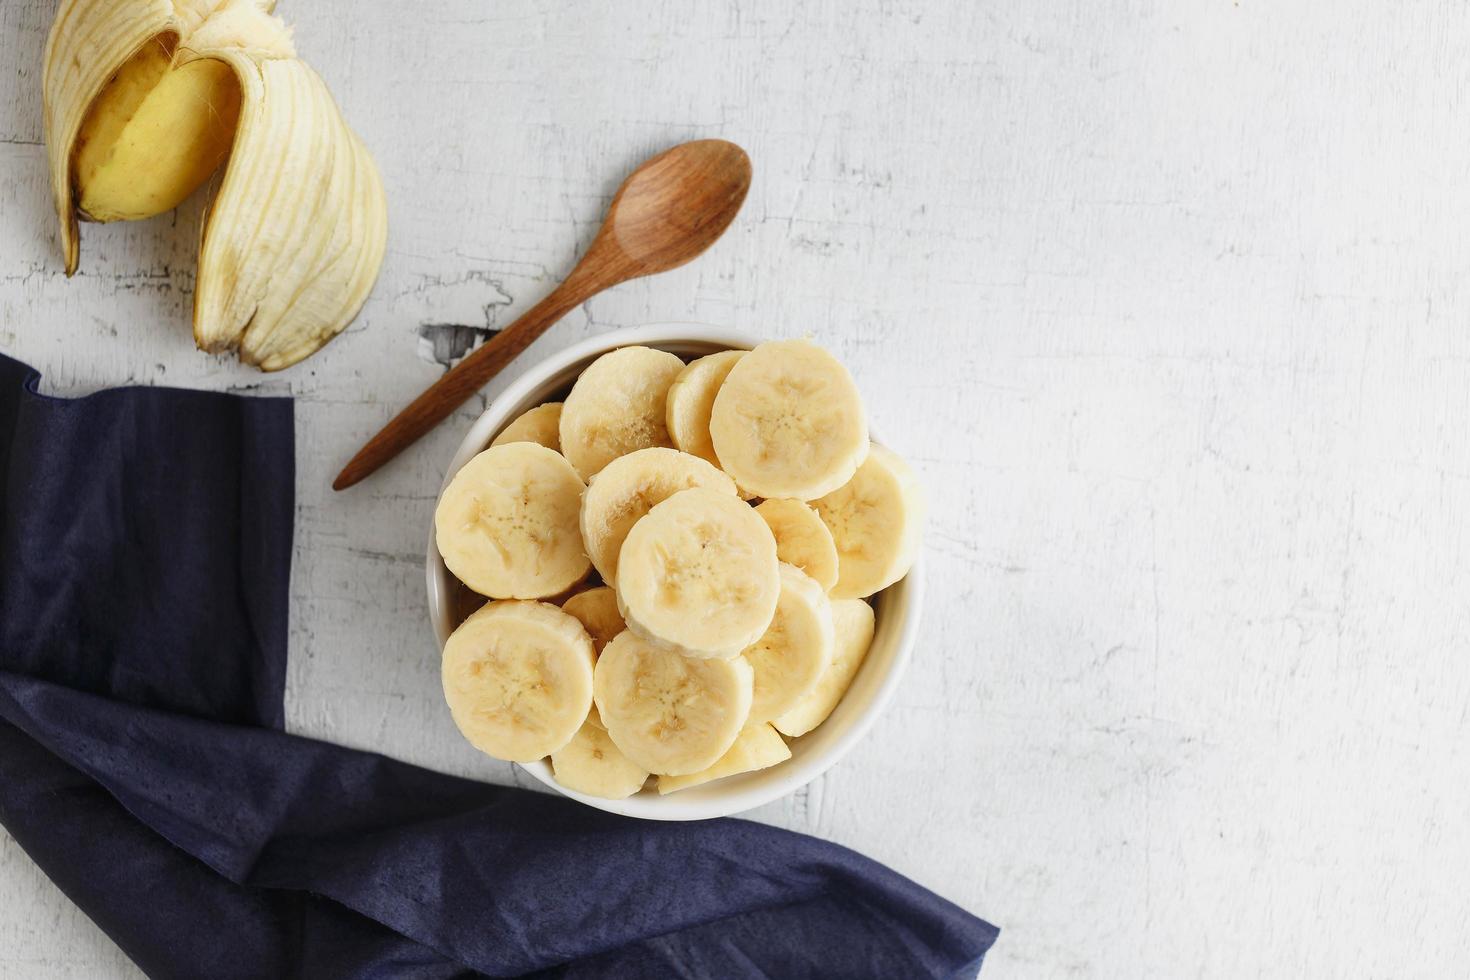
{"x":1167,"y":302}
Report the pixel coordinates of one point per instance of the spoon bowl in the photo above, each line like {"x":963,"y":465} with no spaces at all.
{"x":674,"y":206}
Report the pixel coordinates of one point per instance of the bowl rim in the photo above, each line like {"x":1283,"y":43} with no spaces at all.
{"x":783,"y":779}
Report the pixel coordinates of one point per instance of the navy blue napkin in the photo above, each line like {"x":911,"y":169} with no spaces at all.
{"x":145,"y":546}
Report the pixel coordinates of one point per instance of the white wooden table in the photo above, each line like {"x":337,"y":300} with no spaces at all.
{"x":1170,"y":303}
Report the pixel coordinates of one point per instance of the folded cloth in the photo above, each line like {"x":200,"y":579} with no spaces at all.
{"x":145,"y":544}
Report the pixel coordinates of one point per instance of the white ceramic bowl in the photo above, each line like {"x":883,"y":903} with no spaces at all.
{"x":897,"y":607}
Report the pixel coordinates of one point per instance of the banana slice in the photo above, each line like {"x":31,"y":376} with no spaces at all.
{"x":627,"y":488}
{"x":590,"y":763}
{"x":692,"y":399}
{"x":507,"y":523}
{"x":852,"y":621}
{"x":788,"y":422}
{"x":802,"y":539}
{"x":597,"y":611}
{"x":796,"y":648}
{"x":617,"y":406}
{"x":877,"y":522}
{"x":698,"y":575}
{"x":518,"y":679}
{"x":668,"y":713}
{"x":541,"y":425}
{"x":758,"y":747}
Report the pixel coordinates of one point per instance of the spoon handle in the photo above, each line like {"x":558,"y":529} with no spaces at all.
{"x":441,"y":398}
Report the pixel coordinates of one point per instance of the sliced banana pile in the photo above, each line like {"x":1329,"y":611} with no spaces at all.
{"x":679,"y":559}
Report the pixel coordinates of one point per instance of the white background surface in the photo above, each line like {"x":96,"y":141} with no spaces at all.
{"x":1167,"y":301}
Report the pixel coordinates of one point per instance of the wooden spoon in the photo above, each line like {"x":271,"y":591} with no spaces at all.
{"x":667,"y":212}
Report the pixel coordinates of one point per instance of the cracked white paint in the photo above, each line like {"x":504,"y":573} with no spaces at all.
{"x":1169,"y":304}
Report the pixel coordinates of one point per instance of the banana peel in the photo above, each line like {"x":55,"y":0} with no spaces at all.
{"x":143,"y":99}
